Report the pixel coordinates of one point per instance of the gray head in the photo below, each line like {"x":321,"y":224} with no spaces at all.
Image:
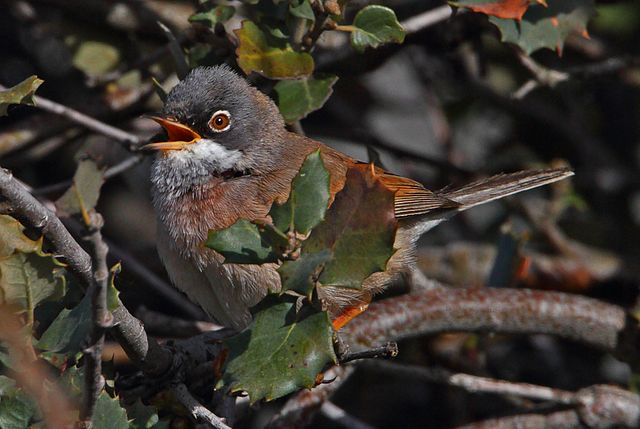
{"x":216,"y":123}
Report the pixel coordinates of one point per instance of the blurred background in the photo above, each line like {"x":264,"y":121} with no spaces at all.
{"x":450,"y":104}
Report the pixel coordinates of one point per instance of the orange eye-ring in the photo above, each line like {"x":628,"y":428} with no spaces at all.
{"x":220,"y":121}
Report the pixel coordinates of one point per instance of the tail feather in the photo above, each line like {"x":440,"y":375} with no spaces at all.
{"x":502,"y":185}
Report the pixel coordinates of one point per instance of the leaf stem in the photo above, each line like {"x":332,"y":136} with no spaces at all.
{"x":345,"y":28}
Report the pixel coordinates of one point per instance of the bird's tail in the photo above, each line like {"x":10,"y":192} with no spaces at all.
{"x":502,"y":185}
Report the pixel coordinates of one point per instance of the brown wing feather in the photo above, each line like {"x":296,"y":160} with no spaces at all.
{"x":413,"y":199}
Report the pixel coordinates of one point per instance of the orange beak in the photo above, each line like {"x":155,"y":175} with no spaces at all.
{"x":179,"y":135}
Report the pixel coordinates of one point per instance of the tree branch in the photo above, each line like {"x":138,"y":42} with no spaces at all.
{"x":197,"y":410}
{"x":586,"y":320}
{"x":301,"y":407}
{"x":101,"y":319}
{"x":597,"y":405}
{"x":128,"y":330}
{"x":131,"y":141}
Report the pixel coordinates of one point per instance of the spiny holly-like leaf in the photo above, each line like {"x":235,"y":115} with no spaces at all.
{"x":12,"y":238}
{"x":374,"y":26}
{"x":256,"y":53}
{"x":69,"y":330}
{"x":212,"y":17}
{"x":142,"y":416}
{"x":113,"y":293}
{"x":22,"y":93}
{"x":308,"y":200}
{"x":17,"y":410}
{"x":109,"y":414}
{"x":298,"y":98}
{"x":302,"y":9}
{"x":280,"y":352}
{"x":546,"y":27}
{"x":507,"y":9}
{"x":27,"y":279}
{"x":301,"y":275}
{"x":83,"y":194}
{"x":359,"y":229}
{"x":241,"y":243}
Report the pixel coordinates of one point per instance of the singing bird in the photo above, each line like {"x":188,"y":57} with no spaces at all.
{"x":228,"y":156}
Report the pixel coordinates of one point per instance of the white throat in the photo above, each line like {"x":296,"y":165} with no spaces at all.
{"x":179,"y":171}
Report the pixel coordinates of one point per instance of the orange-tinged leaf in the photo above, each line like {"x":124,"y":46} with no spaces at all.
{"x":359,"y":230}
{"x":507,"y":9}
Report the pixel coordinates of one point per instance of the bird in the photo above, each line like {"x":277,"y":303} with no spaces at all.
{"x":228,"y":156}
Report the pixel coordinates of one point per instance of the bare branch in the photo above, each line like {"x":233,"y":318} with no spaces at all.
{"x":131,"y":141}
{"x":111,"y":172}
{"x":197,"y":410}
{"x":427,"y":19}
{"x":128,"y":330}
{"x":389,"y":350}
{"x":338,"y":415}
{"x":499,"y":310}
{"x":558,"y":420}
{"x":101,"y":319}
{"x":300,"y":409}
{"x":173,"y":327}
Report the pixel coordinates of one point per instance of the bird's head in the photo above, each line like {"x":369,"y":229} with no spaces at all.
{"x":215,"y":122}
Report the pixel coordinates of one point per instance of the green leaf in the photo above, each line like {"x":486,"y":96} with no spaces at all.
{"x":280,"y":352}
{"x":374,"y":26}
{"x":302,"y":10}
{"x":301,"y":275}
{"x":241,"y":243}
{"x":359,"y":229}
{"x":256,"y":53}
{"x":113,"y":294}
{"x":109,"y":414}
{"x":95,"y":57}
{"x":22,"y":93}
{"x":12,"y":238}
{"x":83,"y":194}
{"x":298,"y":98}
{"x":142,"y":416}
{"x":546,"y":27}
{"x":218,"y":14}
{"x":69,"y":330}
{"x":17,"y":410}
{"x":27,"y":279}
{"x":308,"y":200}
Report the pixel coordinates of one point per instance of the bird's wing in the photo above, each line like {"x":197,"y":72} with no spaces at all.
{"x":413,"y":199}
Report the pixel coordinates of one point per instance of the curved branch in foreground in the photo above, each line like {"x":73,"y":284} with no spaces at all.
{"x":515,"y":311}
{"x":128,"y":330}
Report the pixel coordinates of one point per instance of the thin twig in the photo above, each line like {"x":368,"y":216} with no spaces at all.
{"x":162,"y":325}
{"x":301,"y":407}
{"x":86,"y":121}
{"x":338,"y":415}
{"x":389,"y":350}
{"x":101,"y":320}
{"x":426,"y":19}
{"x":111,"y":172}
{"x":155,"y":282}
{"x":559,"y":420}
{"x":199,"y":412}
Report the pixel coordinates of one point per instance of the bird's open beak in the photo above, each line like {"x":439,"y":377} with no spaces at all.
{"x":179,"y":135}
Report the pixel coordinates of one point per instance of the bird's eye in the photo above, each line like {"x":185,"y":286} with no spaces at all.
{"x":220,"y":121}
